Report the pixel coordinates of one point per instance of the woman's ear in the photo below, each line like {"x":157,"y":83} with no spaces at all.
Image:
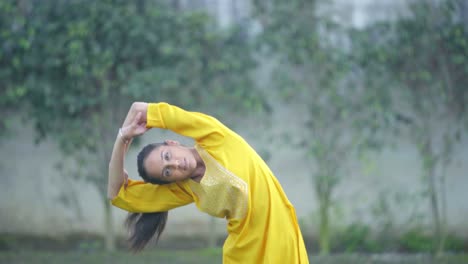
{"x":172,"y":142}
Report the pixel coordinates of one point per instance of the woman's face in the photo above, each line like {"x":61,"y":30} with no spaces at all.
{"x":171,"y":162}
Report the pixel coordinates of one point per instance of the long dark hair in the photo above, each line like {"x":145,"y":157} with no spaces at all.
{"x":144,"y":226}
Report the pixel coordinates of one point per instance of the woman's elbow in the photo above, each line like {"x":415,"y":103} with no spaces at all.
{"x":110,"y":196}
{"x":112,"y":193}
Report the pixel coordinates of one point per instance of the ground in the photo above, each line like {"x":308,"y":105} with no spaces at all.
{"x":206,"y":256}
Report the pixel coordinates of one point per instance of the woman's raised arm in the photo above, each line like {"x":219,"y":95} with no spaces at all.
{"x":134,"y":125}
{"x":204,"y":129}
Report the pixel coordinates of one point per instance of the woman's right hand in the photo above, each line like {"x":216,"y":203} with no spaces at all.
{"x":136,"y":127}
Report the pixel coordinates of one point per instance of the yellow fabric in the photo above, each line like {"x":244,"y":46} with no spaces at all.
{"x":139,"y":197}
{"x":265,"y":232}
{"x":220,"y":193}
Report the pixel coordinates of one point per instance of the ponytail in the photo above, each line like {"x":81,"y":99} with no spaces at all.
{"x":143,"y":227}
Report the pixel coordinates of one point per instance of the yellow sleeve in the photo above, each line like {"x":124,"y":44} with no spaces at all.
{"x":204,"y":129}
{"x":141,"y":197}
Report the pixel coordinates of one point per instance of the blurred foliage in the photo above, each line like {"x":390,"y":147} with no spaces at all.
{"x":14,"y":41}
{"x":425,"y":52}
{"x":362,"y":85}
{"x":354,"y":238}
{"x":420,"y":240}
{"x":74,"y":67}
{"x":424,"y":57}
{"x":394,"y":211}
{"x":416,"y":240}
{"x":68,"y":60}
{"x":361,"y":238}
{"x":314,"y":68}
{"x":454,"y":243}
{"x":357,"y":237}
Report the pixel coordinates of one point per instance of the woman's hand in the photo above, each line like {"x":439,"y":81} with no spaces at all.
{"x":135,"y":127}
{"x":125,"y":176}
{"x":136,"y":108}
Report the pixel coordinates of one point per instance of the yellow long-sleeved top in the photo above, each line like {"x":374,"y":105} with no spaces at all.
{"x":237,"y":185}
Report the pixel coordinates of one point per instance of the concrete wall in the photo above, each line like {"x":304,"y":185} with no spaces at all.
{"x":31,"y":187}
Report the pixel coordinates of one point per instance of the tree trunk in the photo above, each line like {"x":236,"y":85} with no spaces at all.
{"x":108,"y":224}
{"x":435,"y":212}
{"x":429,"y":168}
{"x":324,"y":232}
{"x":443,"y":209}
{"x":443,"y":190}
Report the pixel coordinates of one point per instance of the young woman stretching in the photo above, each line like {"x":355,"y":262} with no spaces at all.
{"x":222,"y":174}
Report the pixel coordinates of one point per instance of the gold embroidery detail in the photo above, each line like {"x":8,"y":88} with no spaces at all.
{"x":220,"y":193}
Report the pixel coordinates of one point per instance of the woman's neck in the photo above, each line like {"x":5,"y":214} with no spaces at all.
{"x":200,"y":170}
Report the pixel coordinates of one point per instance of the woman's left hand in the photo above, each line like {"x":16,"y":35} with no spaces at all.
{"x":125,"y":174}
{"x":134,"y":110}
{"x":136,"y":127}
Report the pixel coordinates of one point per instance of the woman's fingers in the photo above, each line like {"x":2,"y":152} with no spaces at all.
{"x":136,"y":119}
{"x":136,"y":126}
{"x":132,"y":115}
{"x":125,"y":174}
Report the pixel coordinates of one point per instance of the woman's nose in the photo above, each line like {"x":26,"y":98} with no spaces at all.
{"x":174,"y":163}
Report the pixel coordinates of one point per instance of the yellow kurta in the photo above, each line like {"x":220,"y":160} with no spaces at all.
{"x":237,"y":185}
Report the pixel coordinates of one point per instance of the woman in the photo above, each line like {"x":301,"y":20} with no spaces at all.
{"x":222,"y":174}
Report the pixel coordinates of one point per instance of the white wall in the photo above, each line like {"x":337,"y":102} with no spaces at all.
{"x":30,"y":186}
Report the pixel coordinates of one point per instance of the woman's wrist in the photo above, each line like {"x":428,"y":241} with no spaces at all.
{"x":122,"y":136}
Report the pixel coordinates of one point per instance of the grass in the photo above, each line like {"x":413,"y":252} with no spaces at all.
{"x":176,"y":256}
{"x":207,"y":256}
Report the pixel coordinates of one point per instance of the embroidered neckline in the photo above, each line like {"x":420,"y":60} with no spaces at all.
{"x":220,"y":192}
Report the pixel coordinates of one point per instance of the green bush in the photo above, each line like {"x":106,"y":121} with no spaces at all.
{"x":357,"y":238}
{"x":5,"y":242}
{"x":455,"y":244}
{"x":416,"y":240}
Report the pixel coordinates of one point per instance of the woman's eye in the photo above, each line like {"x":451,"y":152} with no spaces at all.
{"x":166,"y":156}
{"x":167,"y":172}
